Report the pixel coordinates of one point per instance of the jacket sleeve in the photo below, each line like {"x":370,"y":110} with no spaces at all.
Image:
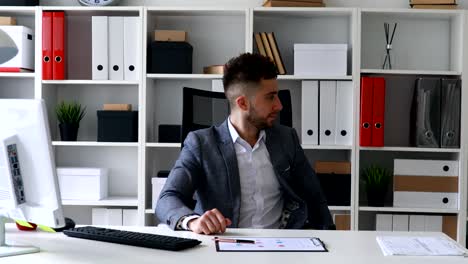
{"x":310,"y":191}
{"x":175,"y":200}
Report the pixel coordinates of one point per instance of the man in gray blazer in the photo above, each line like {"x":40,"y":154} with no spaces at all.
{"x":248,"y":172}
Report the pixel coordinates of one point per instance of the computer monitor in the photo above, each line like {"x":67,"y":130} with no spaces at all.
{"x":29,"y":189}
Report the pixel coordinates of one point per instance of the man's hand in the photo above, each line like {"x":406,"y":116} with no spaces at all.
{"x":210,"y":222}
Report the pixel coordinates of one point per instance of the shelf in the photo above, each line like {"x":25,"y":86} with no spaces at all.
{"x":109,"y":201}
{"x":407,"y":210}
{"x":163,"y":145}
{"x":409,"y":72}
{"x":18,"y":10}
{"x":94,"y":144}
{"x":314,"y":77}
{"x":17,"y":75}
{"x":410,"y":149}
{"x":303,"y":11}
{"x":94,"y":82}
{"x":339,"y":208}
{"x":332,"y":147}
{"x":184,"y":76}
{"x":413,"y":13}
{"x":195,"y":11}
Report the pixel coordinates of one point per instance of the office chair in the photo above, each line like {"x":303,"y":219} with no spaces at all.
{"x":202,"y":109}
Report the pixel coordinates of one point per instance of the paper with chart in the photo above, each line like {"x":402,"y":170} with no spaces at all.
{"x":285,"y":244}
{"x":419,"y":246}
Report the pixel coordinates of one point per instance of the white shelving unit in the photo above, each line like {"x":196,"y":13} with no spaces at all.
{"x":427,"y":43}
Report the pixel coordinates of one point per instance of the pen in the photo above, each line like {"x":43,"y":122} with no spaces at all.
{"x":232,"y":240}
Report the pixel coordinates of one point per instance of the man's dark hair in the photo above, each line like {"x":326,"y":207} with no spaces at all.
{"x":246,"y":71}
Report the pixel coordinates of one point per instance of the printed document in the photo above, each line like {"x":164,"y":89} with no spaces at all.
{"x":419,"y":246}
{"x":285,"y":244}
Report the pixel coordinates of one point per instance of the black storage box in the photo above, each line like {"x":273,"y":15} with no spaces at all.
{"x":117,"y":126}
{"x":170,"y":57}
{"x":335,"y":180}
{"x":19,"y":2}
{"x":169,"y":133}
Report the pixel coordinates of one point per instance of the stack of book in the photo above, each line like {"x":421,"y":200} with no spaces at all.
{"x":267,"y":46}
{"x":293,"y":3}
{"x":433,"y":4}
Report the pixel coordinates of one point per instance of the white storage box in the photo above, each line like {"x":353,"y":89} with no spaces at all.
{"x":320,"y":59}
{"x":158,"y":184}
{"x":16,"y":47}
{"x":83,"y":183}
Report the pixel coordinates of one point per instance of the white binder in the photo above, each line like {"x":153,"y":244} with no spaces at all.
{"x":310,"y":115}
{"x":327,"y":112}
{"x":425,"y":167}
{"x":344,"y":113}
{"x":129,"y":217}
{"x":116,"y":48}
{"x":99,"y":47}
{"x":114,"y":217}
{"x":400,"y":222}
{"x":131,"y":41}
{"x":425,"y":200}
{"x":433,"y":223}
{"x":217,"y":85}
{"x":416,"y":223}
{"x":383,"y":222}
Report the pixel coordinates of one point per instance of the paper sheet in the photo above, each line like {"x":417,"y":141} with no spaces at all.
{"x":286,"y":244}
{"x":419,"y":246}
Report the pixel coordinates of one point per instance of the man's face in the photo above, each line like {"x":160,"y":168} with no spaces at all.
{"x":265,"y":105}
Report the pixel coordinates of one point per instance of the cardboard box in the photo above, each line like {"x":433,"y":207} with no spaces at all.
{"x":17,"y":44}
{"x":7,"y":21}
{"x":88,"y":184}
{"x":320,"y":59}
{"x":170,"y":35}
{"x":214,"y":69}
{"x":117,"y":107}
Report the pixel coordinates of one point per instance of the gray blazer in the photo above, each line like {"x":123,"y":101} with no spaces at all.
{"x":207,"y":167}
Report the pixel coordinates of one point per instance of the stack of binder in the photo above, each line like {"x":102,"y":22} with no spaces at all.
{"x":293,"y":3}
{"x":53,"y":45}
{"x":268,"y":47}
{"x":433,"y":4}
{"x":435,"y":117}
{"x":372,"y":122}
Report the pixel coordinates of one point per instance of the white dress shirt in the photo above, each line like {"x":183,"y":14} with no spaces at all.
{"x":261,"y":194}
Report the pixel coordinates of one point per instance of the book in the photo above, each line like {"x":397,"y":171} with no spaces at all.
{"x":276,"y":53}
{"x":435,"y":6}
{"x":282,"y":3}
{"x":308,"y":1}
{"x":7,"y":21}
{"x":267,"y":47}
{"x":433,"y":2}
{"x":260,"y":47}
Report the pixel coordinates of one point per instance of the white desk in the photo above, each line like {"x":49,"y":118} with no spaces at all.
{"x":344,"y":246}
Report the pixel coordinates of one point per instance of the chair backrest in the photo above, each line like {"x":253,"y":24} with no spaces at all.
{"x":202,"y":109}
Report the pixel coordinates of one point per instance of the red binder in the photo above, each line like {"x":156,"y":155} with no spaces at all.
{"x":365,"y":130}
{"x":378,"y":112}
{"x":58,"y":45}
{"x":47,"y":45}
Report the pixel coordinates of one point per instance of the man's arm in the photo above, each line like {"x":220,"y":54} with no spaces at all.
{"x":318,"y":214}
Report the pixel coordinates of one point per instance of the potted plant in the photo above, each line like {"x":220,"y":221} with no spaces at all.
{"x":376,"y":180}
{"x":69,"y":116}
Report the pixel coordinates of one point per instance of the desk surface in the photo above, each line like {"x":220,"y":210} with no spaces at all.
{"x":344,"y":247}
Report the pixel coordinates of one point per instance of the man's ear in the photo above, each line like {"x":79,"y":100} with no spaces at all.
{"x":242,"y":102}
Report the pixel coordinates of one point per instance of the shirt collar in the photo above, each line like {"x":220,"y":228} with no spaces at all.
{"x":235,"y":135}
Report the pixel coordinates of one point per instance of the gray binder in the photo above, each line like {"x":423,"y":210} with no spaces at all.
{"x":450,"y":113}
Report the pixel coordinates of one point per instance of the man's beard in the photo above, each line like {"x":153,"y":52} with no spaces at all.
{"x":254,"y":119}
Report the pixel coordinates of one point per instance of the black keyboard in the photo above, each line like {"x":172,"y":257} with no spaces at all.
{"x":132,"y":238}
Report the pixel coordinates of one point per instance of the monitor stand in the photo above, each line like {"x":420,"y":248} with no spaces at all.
{"x":12,"y":250}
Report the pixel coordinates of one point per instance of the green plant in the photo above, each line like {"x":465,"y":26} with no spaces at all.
{"x":376,"y":177}
{"x":70,"y":113}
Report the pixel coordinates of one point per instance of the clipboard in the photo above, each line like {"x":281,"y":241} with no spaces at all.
{"x":273,"y":244}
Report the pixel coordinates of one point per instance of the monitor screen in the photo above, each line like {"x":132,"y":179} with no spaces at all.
{"x":29,"y":189}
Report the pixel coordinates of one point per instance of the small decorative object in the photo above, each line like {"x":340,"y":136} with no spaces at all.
{"x":98,"y":2}
{"x":389,"y":58}
{"x":69,"y":116}
{"x":376,"y":180}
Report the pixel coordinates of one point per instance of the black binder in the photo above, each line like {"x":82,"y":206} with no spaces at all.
{"x":450,"y":113}
{"x":425,"y":122}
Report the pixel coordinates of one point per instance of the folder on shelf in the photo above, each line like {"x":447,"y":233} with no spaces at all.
{"x":416,"y":223}
{"x":116,"y":47}
{"x":344,"y":113}
{"x":450,"y":113}
{"x":131,"y":36}
{"x":58,"y":45}
{"x":327,"y":112}
{"x":267,"y":46}
{"x":383,"y":222}
{"x":400,"y":222}
{"x":378,"y":112}
{"x":259,"y":42}
{"x":310,"y":112}
{"x":276,"y":53}
{"x":99,"y":47}
{"x":367,"y":99}
{"x":426,"y":113}
{"x":47,"y":45}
